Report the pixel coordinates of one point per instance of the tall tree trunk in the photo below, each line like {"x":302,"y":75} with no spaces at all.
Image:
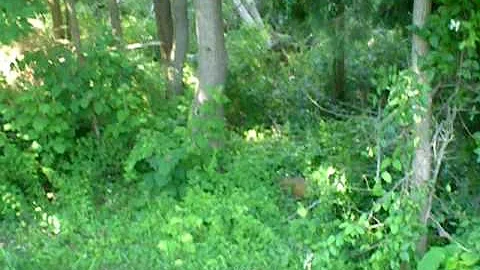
{"x":244,"y":13}
{"x":252,"y":9}
{"x":180,"y":27}
{"x":163,"y":19}
{"x":422,"y":161}
{"x":67,"y":23}
{"x":212,"y":69}
{"x":115,"y":20}
{"x":74,"y":28}
{"x":339,"y":61}
{"x":57,"y":19}
{"x":247,"y":9}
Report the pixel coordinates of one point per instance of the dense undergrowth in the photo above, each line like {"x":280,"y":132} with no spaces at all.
{"x":99,"y":171}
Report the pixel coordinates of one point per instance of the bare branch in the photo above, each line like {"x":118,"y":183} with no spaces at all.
{"x":134,"y":46}
{"x":443,"y":233}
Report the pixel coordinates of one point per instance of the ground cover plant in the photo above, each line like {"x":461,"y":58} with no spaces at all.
{"x":300,"y":134}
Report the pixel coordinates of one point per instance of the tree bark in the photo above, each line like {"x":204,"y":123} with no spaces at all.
{"x":243,"y":12}
{"x":163,"y":19}
{"x":57,"y":19}
{"x":252,"y":9}
{"x":115,"y":20}
{"x":422,"y":160}
{"x":74,"y":28}
{"x":212,"y":69}
{"x":339,"y":61}
{"x":248,"y":12}
{"x":67,"y":24}
{"x":180,"y":27}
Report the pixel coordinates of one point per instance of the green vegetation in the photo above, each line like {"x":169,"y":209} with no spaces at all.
{"x":106,"y":164}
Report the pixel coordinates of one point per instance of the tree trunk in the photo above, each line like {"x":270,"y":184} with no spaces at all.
{"x":212,"y":69}
{"x":252,"y":9}
{"x":243,"y":12}
{"x":57,"y":19}
{"x":422,"y":160}
{"x":163,"y":19}
{"x":180,"y":19}
{"x":115,"y":19}
{"x":68,"y":23}
{"x":248,"y":12}
{"x":74,"y":28}
{"x":339,"y":61}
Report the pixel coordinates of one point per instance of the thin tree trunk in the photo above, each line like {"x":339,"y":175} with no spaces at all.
{"x":248,"y":11}
{"x":180,"y":20}
{"x":212,"y":67}
{"x":252,"y":9}
{"x":339,"y":61}
{"x":67,"y":23}
{"x":74,"y":28}
{"x":57,"y":19}
{"x":115,"y":20}
{"x":163,"y":19}
{"x":422,"y":161}
{"x":244,"y":13}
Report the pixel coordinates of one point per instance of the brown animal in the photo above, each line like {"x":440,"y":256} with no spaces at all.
{"x":295,"y":186}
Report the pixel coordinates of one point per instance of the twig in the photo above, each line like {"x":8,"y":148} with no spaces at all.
{"x":445,"y":134}
{"x":465,"y":126}
{"x":397,"y":184}
{"x":314,"y":102}
{"x":378,"y":139}
{"x":134,"y":46}
{"x":443,"y":233}
{"x":310,"y":207}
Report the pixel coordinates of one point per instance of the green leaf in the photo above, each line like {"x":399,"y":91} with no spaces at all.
{"x":434,"y":41}
{"x":387,"y":177}
{"x":397,"y":165}
{"x":378,"y":189}
{"x":7,"y":127}
{"x":39,"y":124}
{"x":386,"y":163}
{"x":44,"y":108}
{"x":432,"y":260}
{"x":302,"y":211}
{"x":59,"y":147}
{"x":35,"y":146}
{"x":98,"y":107}
{"x":470,"y":258}
{"x":394,"y":228}
{"x":84,"y":102}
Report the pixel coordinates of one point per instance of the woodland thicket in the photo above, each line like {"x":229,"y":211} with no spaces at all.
{"x":239,"y":134}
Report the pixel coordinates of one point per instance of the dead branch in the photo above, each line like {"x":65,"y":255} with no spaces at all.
{"x":443,"y":233}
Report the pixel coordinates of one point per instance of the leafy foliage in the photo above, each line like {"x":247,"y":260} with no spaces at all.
{"x":98,"y":170}
{"x":14,"y":18}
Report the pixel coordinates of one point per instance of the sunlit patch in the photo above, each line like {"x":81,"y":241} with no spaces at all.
{"x":36,"y":23}
{"x":178,"y":262}
{"x":371,"y":42}
{"x":454,"y":25}
{"x":50,"y":195}
{"x":8,"y":57}
{"x":341,"y":183}
{"x":162,"y":245}
{"x":253,"y":135}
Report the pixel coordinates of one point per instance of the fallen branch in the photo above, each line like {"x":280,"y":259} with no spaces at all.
{"x":135,"y":46}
